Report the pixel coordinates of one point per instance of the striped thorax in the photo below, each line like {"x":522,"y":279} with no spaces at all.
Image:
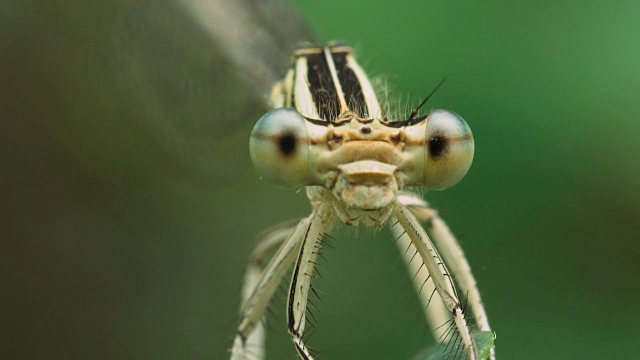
{"x":328,"y":130}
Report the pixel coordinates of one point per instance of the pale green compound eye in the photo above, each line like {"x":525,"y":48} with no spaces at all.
{"x":279,"y":147}
{"x":449,"y":149}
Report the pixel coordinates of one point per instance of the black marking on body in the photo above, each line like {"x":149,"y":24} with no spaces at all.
{"x":322,"y":88}
{"x":402,"y":123}
{"x":294,"y":280}
{"x":301,"y":351}
{"x":318,"y":122}
{"x":350,"y":85}
{"x":325,"y":122}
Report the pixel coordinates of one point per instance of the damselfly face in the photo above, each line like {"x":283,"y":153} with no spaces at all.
{"x":329,"y":130}
{"x":329,"y":133}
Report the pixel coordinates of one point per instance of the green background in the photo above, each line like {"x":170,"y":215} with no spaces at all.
{"x":113,"y":248}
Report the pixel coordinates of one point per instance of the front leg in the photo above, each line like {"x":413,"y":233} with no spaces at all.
{"x":439,"y":274}
{"x":453,"y":255}
{"x":321,"y":222}
{"x":259,"y":285}
{"x":432,"y":306}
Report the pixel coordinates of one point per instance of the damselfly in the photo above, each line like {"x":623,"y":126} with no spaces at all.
{"x":329,"y":133}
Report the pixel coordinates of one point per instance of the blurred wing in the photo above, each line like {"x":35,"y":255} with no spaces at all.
{"x":197,"y":73}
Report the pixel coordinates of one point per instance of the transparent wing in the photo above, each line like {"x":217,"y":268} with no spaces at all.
{"x":197,"y":72}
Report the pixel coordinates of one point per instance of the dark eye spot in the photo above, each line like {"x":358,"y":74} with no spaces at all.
{"x":438,"y":146}
{"x":287,"y":143}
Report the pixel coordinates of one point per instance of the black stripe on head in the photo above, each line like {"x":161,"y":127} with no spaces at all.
{"x":401,"y":123}
{"x":322,"y":88}
{"x":350,"y":85}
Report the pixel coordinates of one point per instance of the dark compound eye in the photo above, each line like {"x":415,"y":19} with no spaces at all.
{"x":279,"y":147}
{"x":449,"y":149}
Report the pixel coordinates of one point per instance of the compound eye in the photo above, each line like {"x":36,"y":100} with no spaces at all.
{"x":279,"y":146}
{"x":449,"y":149}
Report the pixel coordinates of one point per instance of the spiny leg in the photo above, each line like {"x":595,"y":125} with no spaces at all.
{"x":452,"y":254}
{"x":259,"y":285}
{"x":434,"y":310}
{"x":303,"y":271}
{"x":439,"y":274}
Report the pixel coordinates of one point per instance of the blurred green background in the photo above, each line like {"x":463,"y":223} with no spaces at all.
{"x":124,"y":230}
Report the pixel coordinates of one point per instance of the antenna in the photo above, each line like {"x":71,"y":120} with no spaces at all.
{"x":415,"y":111}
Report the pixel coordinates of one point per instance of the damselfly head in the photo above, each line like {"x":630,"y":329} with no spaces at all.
{"x":328,"y":117}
